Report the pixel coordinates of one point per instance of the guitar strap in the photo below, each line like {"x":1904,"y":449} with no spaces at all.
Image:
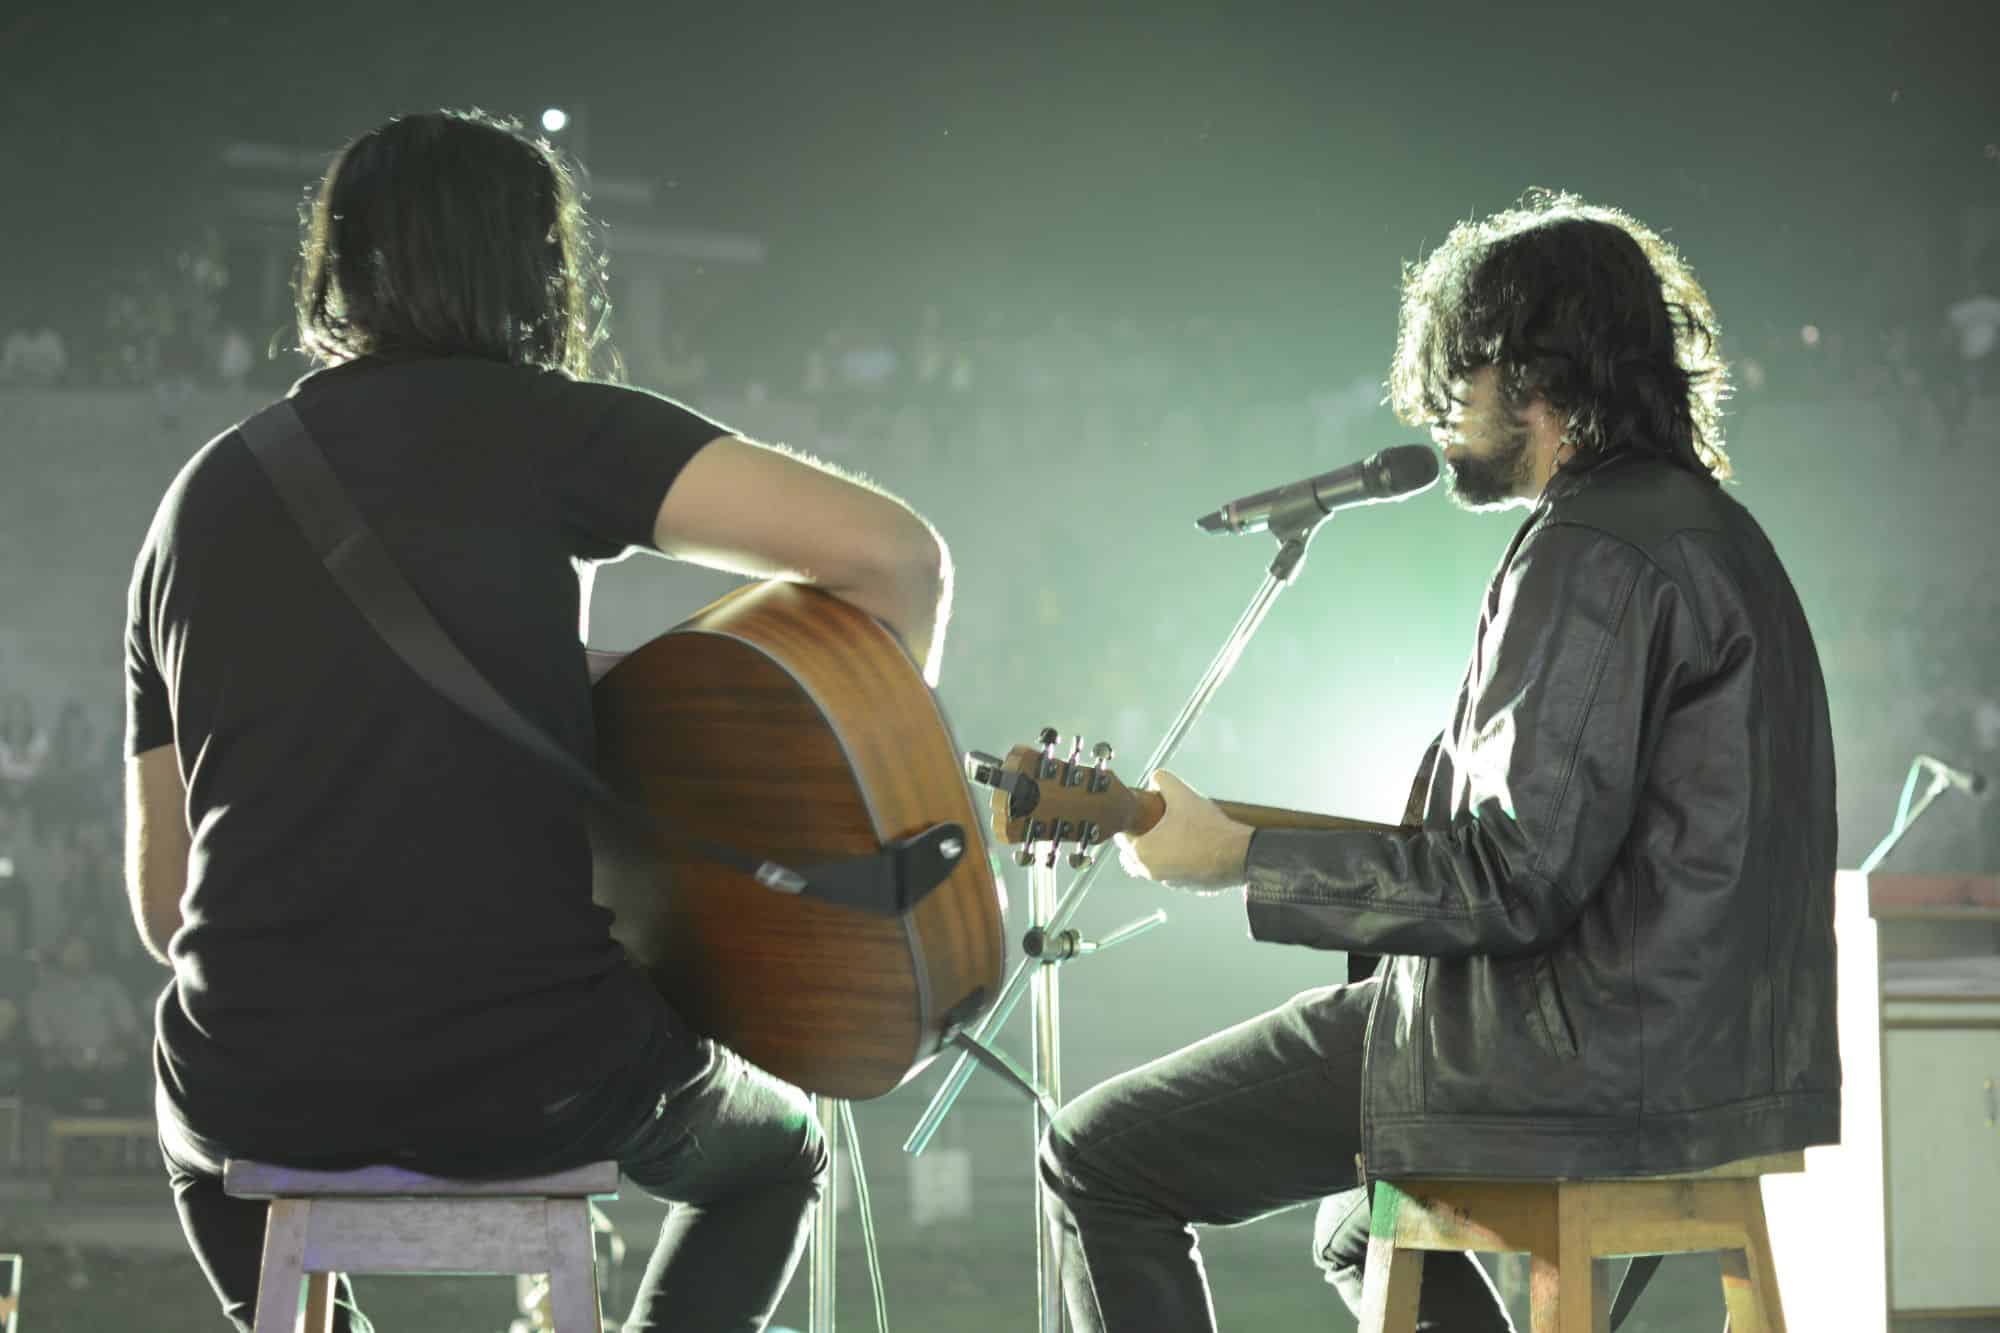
{"x":890,"y":883}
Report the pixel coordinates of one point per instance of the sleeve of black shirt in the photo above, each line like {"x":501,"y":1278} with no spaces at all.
{"x":633,"y":446}
{"x":149,"y":716}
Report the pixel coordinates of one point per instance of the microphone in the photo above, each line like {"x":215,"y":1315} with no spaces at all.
{"x":1392,"y":474}
{"x":1967,"y":781}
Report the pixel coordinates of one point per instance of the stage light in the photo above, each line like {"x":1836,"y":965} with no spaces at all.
{"x":554,"y":119}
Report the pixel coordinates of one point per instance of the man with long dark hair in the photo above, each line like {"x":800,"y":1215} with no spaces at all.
{"x":1608,"y":912}
{"x":378,"y":911}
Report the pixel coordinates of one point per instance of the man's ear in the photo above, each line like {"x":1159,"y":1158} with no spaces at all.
{"x":1549,"y":428}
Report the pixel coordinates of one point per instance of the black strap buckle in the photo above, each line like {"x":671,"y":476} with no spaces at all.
{"x":890,"y":883}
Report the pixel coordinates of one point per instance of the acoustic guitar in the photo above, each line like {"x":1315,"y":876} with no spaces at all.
{"x":785,"y":723}
{"x":1041,"y":801}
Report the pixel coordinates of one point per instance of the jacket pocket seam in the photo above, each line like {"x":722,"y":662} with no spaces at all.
{"x":1550,"y":1011}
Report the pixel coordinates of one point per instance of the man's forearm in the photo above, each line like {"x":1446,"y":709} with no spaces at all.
{"x":157,"y":843}
{"x":1433,"y":892}
{"x":913,"y":600}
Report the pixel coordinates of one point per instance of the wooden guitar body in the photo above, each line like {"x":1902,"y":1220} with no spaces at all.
{"x":787,"y":724}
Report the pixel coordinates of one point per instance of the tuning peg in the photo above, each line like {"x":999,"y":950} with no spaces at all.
{"x":1029,"y":837}
{"x":1058,"y":831}
{"x":1074,"y":773}
{"x":1100,"y":776}
{"x":1051,"y":766}
{"x":1086,"y":846}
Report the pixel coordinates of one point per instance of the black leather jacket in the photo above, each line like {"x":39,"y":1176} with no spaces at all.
{"x":1612,"y":931}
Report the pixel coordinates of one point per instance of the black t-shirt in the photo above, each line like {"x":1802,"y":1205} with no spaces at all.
{"x":388,"y":918}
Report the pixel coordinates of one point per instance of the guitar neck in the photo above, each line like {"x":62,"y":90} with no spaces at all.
{"x":1152,"y":805}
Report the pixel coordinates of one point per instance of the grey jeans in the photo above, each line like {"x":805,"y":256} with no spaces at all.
{"x":1258,"y":1118}
{"x":736,"y":1152}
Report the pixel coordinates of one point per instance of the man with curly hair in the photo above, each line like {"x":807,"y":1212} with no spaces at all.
{"x":1607,"y":916}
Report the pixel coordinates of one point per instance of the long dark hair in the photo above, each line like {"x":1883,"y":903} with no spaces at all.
{"x":1582,"y":306}
{"x":450,"y":233}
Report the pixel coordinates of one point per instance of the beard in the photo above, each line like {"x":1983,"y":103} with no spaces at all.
{"x":1495,"y":480}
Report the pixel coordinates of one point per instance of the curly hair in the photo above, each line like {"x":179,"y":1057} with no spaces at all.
{"x":1582,"y":306}
{"x":450,"y":233}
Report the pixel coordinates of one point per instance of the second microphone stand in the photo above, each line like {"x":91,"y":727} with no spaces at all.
{"x":1050,"y":941}
{"x":1906,"y":814}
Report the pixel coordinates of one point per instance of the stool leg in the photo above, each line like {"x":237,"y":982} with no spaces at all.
{"x":1737,"y":1294}
{"x":1564,"y":1293}
{"x":1763,"y":1267}
{"x":572,"y":1268}
{"x":1584,"y":1302}
{"x":284,"y":1266}
{"x":1544,"y":1293}
{"x":1749,"y":1277}
{"x":319,"y":1303}
{"x":1389,"y":1287}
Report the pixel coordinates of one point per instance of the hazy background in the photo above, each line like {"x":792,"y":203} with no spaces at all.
{"x":1063,"y":280}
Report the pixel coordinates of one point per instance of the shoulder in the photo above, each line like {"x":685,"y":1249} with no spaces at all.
{"x":1682,"y":545}
{"x":1642,"y":504}
{"x":604,"y":402}
{"x":1607,"y":539}
{"x":212,"y":478}
{"x":588,"y":399}
{"x":583,"y":409}
{"x":495,"y":386}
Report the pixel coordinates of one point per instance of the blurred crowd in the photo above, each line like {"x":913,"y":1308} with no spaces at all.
{"x":76,"y":986}
{"x":180,"y":322}
{"x":186,"y":320}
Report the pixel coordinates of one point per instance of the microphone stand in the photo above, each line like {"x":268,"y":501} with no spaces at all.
{"x":1050,"y":941}
{"x":821,"y":1243}
{"x":1906,"y":815}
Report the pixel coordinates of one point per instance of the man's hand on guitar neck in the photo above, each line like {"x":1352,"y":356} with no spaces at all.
{"x":1194,"y":846}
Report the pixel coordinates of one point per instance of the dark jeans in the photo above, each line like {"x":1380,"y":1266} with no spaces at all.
{"x":1257,"y":1118}
{"x":736,"y":1152}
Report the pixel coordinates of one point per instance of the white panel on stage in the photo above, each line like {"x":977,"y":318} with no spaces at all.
{"x":1827,"y":1225}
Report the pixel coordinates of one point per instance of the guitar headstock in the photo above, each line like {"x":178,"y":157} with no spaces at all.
{"x":1044,"y":799}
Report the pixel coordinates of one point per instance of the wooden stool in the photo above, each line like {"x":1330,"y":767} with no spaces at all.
{"x":381,"y":1219}
{"x":1563,"y":1225}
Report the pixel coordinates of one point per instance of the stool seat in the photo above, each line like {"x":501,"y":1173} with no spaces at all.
{"x":262,"y":1180}
{"x":1564,"y":1226}
{"x":386,"y":1219}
